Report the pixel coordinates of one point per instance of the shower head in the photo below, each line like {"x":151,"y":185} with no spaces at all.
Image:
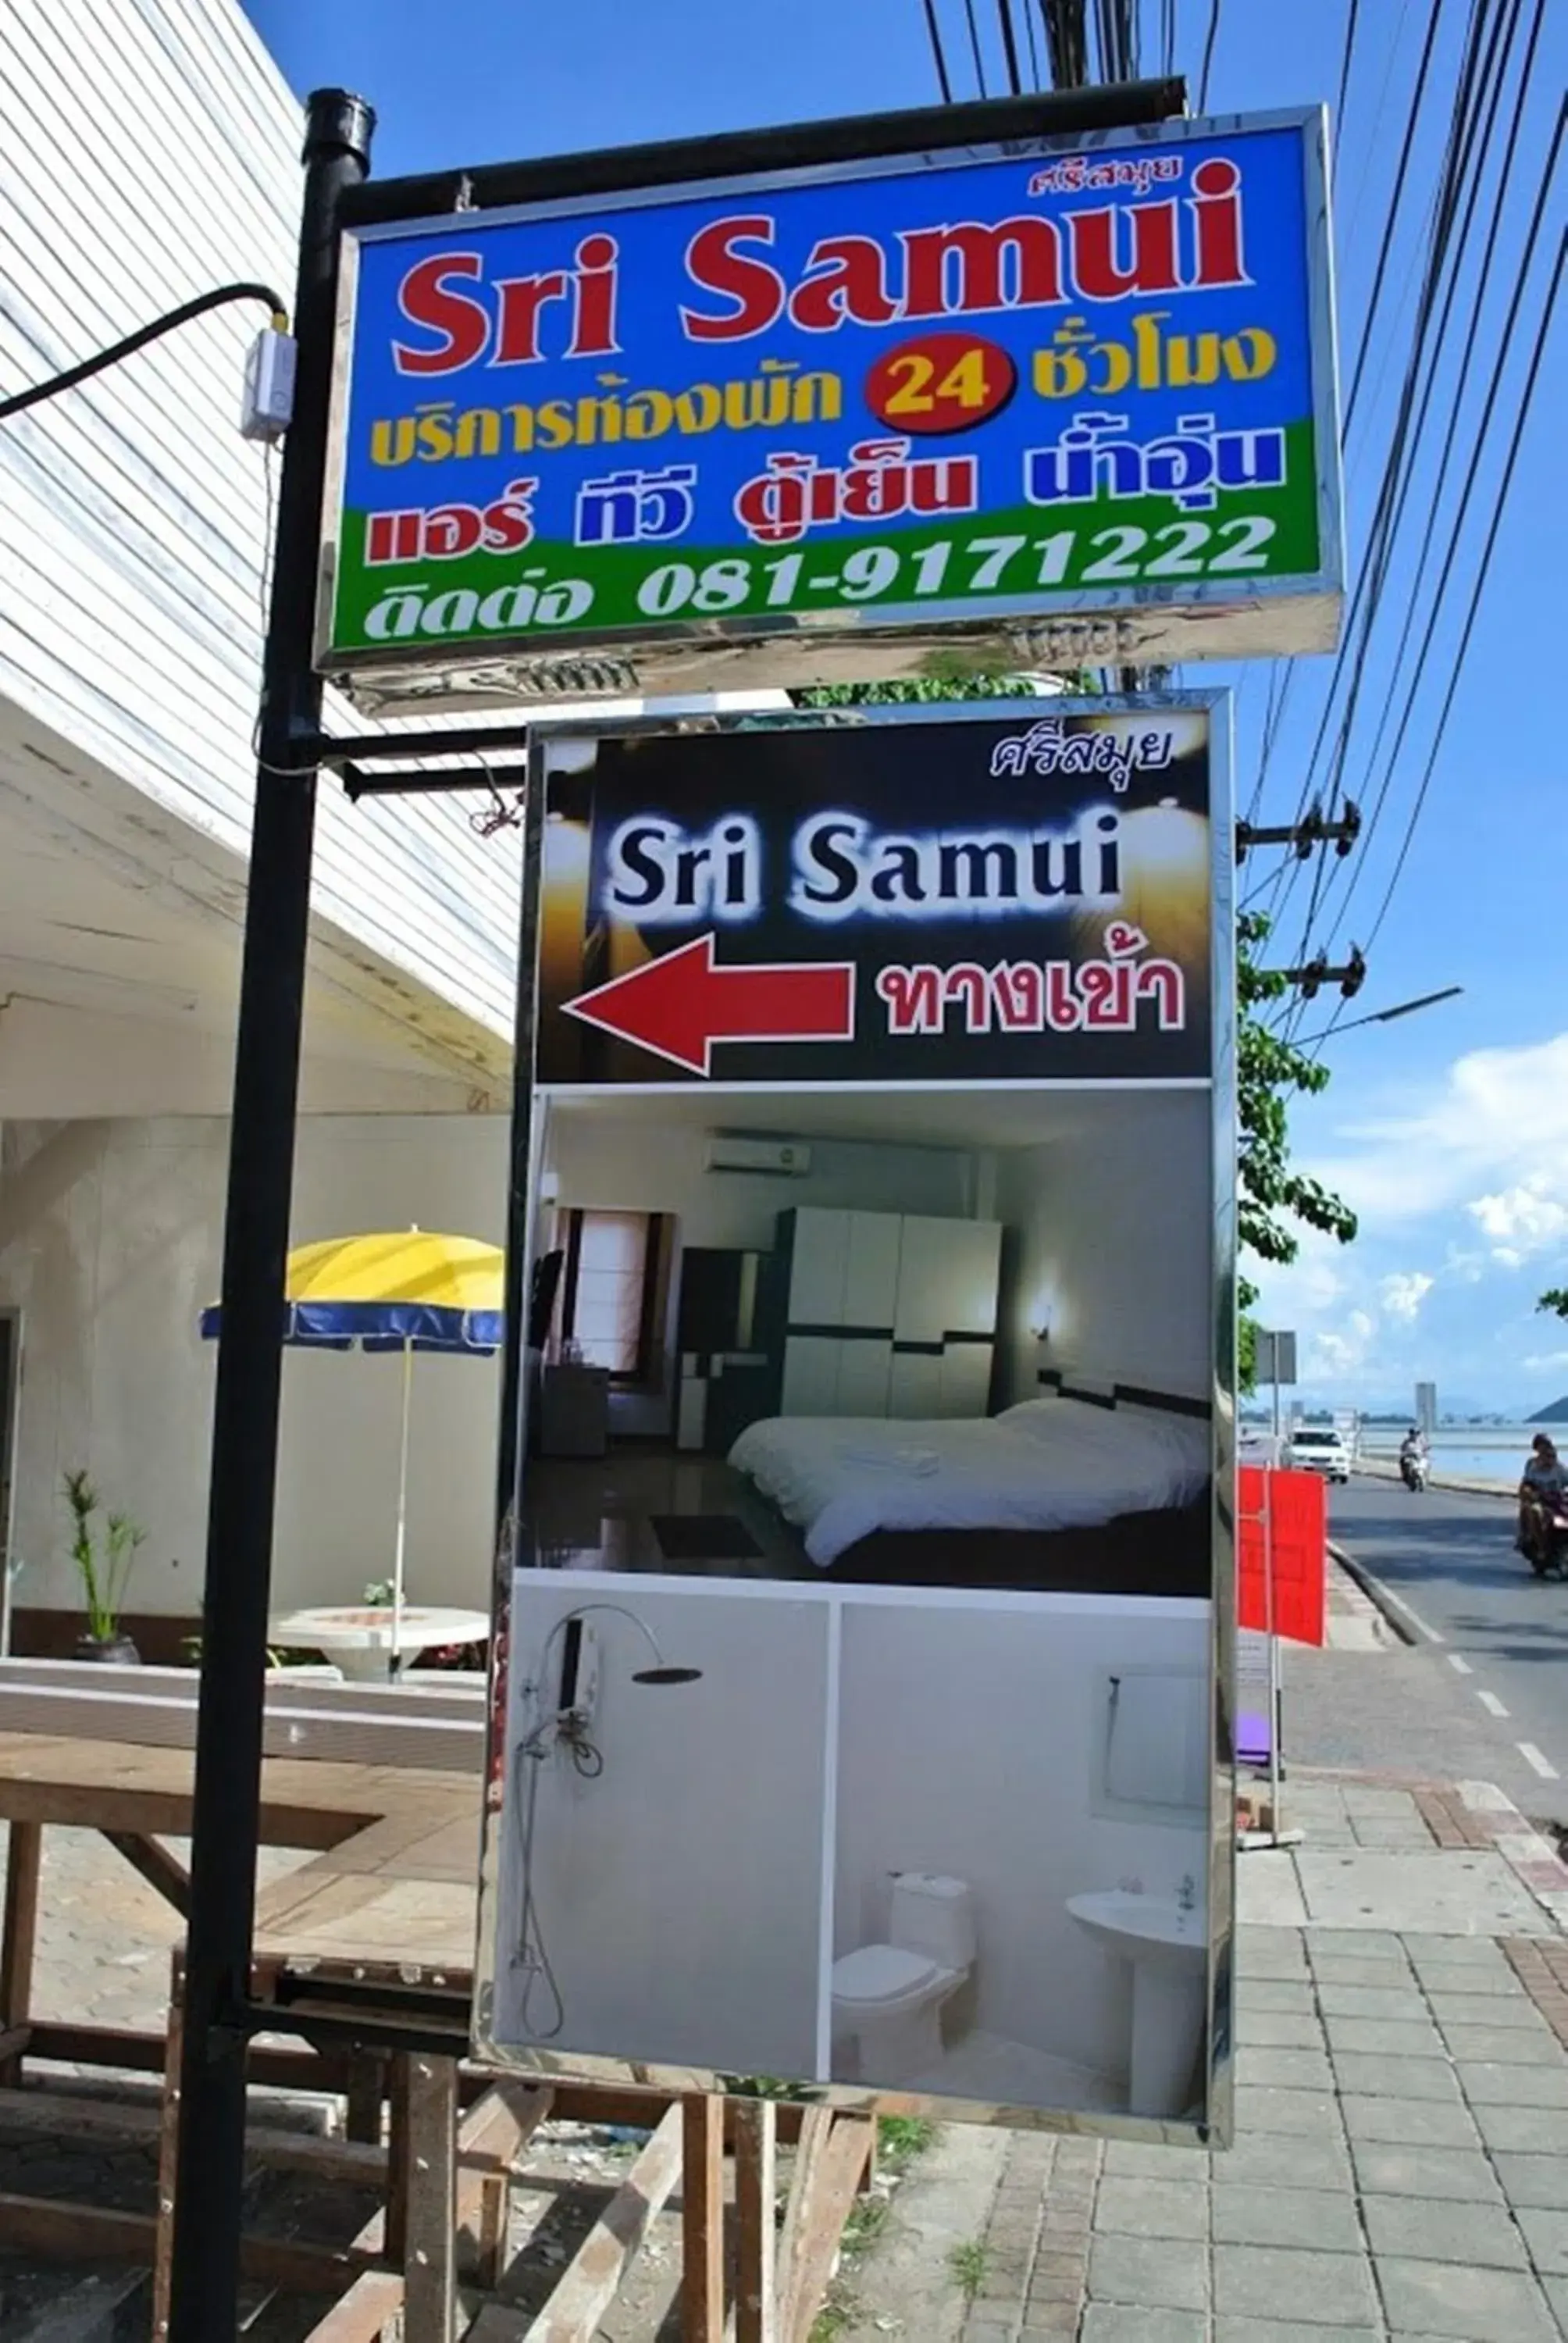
{"x":661,"y":1671}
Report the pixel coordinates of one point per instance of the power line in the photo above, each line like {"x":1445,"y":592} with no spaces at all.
{"x":1349,"y":660}
{"x":1434,"y":503}
{"x":1456,"y":666}
{"x":934,"y":31}
{"x":1213,"y":34}
{"x":1471,"y":342}
{"x":1399,"y":462}
{"x":975,"y":47}
{"x":1472,"y":475}
{"x":1009,"y":47}
{"x":1345,"y":69}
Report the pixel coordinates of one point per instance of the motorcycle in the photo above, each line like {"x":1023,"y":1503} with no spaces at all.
{"x":1413,"y":1469}
{"x":1546,"y":1544}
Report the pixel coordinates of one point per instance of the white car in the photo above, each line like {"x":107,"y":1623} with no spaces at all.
{"x":1317,"y":1448}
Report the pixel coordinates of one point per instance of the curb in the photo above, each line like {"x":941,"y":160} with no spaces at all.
{"x":1506,"y":1490}
{"x":1382,"y":1598}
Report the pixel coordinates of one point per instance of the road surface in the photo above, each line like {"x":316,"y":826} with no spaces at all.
{"x":1478,"y":1615}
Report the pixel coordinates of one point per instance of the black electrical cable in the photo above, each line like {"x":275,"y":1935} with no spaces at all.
{"x":1456,"y":665}
{"x":1398,"y":466}
{"x":1349,"y":659}
{"x":1369,"y":323}
{"x":975,"y":47}
{"x":1471,"y":342}
{"x":934,"y":29}
{"x":1407,"y":439}
{"x":21,"y":400}
{"x":1345,"y":71}
{"x":1034,"y":80}
{"x":1009,"y":47}
{"x":1213,"y":35}
{"x":1473,"y":474}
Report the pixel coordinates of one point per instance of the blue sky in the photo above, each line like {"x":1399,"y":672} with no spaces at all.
{"x":1449,"y":1131}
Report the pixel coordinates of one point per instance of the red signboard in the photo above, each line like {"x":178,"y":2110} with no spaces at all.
{"x":1297,"y":1513}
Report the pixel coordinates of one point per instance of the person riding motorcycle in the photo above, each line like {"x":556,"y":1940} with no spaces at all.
{"x":1542,"y":1494}
{"x":1413,"y":1459}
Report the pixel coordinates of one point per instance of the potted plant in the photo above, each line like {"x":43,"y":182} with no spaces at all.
{"x":105,"y":1564}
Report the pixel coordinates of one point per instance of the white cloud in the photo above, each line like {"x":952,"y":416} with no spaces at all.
{"x":1498,"y":1121}
{"x":1402,"y":1293}
{"x":1521,"y":1221}
{"x":1331,"y":1352}
{"x":1544,"y":1361}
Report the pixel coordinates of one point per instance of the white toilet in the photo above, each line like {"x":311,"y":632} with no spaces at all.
{"x":887,"y":1999}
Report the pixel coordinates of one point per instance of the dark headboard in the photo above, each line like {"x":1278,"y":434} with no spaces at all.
{"x":1114,"y":1394}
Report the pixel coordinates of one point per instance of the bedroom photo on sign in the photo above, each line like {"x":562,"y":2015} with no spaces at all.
{"x":916,"y":1340}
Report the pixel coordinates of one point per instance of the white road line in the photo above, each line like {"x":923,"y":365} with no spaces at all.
{"x":1490,"y":1702}
{"x":1461,"y":1668}
{"x":1532,"y":1756}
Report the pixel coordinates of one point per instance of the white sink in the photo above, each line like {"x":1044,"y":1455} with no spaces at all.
{"x":1168,"y":1949}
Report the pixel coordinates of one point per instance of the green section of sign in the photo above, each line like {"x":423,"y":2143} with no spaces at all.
{"x":952,"y":566}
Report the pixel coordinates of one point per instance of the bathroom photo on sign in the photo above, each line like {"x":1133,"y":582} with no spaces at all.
{"x":921,"y":1339}
{"x":999,"y":1904}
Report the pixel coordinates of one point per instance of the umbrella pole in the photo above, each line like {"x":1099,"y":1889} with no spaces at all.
{"x":395,"y":1660}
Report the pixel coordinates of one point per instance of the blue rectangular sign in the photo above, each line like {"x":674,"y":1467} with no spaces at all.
{"x":981,"y":393}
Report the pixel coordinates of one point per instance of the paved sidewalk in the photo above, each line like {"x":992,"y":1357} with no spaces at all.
{"x":1400,"y":2172}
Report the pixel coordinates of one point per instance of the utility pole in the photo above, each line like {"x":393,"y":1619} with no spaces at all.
{"x":204,"y":2272}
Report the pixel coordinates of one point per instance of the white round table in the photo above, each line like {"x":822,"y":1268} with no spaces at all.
{"x":357,"y":1637}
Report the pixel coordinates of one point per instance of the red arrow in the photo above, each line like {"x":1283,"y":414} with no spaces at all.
{"x":678,"y":1005}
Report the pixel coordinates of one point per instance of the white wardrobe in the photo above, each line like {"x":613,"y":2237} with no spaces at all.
{"x":888,"y":1314}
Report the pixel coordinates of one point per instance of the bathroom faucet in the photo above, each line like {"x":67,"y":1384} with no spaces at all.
{"x":1187,"y":1895}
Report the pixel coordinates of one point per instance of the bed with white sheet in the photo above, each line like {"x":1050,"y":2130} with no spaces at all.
{"x":1055,"y":1491}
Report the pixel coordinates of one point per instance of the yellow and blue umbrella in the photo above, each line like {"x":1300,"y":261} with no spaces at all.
{"x":401,"y":1291}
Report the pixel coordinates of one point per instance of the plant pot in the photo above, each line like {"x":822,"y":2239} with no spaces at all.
{"x":113,"y":1651}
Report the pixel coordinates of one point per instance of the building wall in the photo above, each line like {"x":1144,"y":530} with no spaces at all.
{"x":1110,"y":1242}
{"x":636,"y":1163}
{"x":133,"y":517}
{"x":967,"y":1747}
{"x":119,"y":1252}
{"x":679,"y":1893}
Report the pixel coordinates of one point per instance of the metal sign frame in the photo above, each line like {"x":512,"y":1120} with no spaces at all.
{"x":1146,"y":622}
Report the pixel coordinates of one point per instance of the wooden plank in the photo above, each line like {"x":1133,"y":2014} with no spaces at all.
{"x":143,"y":2053}
{"x":168,"y":2127}
{"x":423,"y":1729}
{"x":811,"y":2142}
{"x":157,"y":1865}
{"x":367,"y":2089}
{"x":820,"y":2225}
{"x":362,"y":2314}
{"x":63,"y":2231}
{"x":591,"y":2279}
{"x":18,"y":1934}
{"x":755,"y":2223}
{"x":397,"y":2161}
{"x":72,"y":2116}
{"x":499,"y":2126}
{"x":429,"y":2268}
{"x":702,"y":2220}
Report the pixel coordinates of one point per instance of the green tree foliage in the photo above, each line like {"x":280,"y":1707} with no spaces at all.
{"x":1273,"y":1202}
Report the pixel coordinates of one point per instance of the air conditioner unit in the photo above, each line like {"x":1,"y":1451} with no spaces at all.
{"x":776,"y":1158}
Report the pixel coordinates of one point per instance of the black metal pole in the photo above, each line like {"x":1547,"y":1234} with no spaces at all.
{"x":210,"y":2173}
